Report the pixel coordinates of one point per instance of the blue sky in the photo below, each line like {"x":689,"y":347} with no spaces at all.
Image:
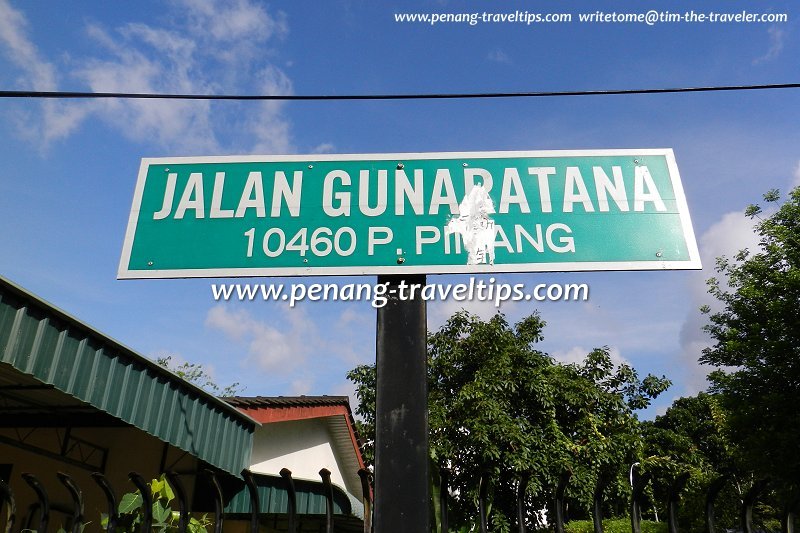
{"x":69,"y":167}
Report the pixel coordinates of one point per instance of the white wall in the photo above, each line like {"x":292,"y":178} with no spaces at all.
{"x":302,"y":446}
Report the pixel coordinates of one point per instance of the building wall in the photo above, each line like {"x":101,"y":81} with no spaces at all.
{"x":129,"y":449}
{"x":302,"y":446}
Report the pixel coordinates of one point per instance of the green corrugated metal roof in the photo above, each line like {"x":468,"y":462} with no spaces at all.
{"x":38,"y":339}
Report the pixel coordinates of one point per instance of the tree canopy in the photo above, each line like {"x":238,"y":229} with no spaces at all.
{"x":690,"y":438}
{"x":757,"y":341}
{"x":499,"y":407}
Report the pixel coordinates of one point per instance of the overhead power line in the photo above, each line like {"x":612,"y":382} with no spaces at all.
{"x":421,"y":96}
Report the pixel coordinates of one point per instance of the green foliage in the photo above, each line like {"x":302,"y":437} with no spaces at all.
{"x":165,"y":520}
{"x":757,"y":342}
{"x":195,"y":374}
{"x":690,"y":437}
{"x":365,"y":380}
{"x":620,"y":525}
{"x":497,"y":406}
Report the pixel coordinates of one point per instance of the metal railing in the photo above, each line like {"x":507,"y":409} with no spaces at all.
{"x":639,"y":483}
{"x":75,"y":518}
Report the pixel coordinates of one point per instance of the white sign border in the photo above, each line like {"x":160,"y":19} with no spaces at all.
{"x":693,"y":263}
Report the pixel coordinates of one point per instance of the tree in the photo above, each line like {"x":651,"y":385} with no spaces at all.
{"x":690,"y":437}
{"x":500,"y":408}
{"x":195,"y":374}
{"x":757,"y":342}
{"x":365,"y":379}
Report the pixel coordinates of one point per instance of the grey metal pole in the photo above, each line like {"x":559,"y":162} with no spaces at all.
{"x":401,"y":422}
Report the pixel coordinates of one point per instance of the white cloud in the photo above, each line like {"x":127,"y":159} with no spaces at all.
{"x":22,"y":52}
{"x":269,"y":129}
{"x":733,"y":232}
{"x":212,"y":48}
{"x":324,"y":148}
{"x":281,"y":349}
{"x":440,"y":310}
{"x":350,"y":316}
{"x":181,"y":125}
{"x":234,"y":21}
{"x":632,"y":321}
{"x":498,"y":56}
{"x":59,"y":119}
{"x":288,"y":349}
{"x":345,"y":339}
{"x":777,"y":40}
{"x":230,"y":323}
{"x":795,"y":177}
{"x":577,"y":354}
{"x":301,"y":387}
{"x":346,"y":388}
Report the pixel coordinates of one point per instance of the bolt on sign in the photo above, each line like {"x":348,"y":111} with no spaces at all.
{"x":425,"y":213}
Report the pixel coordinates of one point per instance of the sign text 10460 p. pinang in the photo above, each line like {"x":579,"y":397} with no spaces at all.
{"x":422,"y":213}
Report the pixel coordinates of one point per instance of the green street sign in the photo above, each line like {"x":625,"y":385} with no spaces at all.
{"x":428,"y":213}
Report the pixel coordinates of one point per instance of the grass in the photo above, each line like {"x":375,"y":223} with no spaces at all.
{"x":616,"y":525}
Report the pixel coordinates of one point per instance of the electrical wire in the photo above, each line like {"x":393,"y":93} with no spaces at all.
{"x":423,"y":96}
